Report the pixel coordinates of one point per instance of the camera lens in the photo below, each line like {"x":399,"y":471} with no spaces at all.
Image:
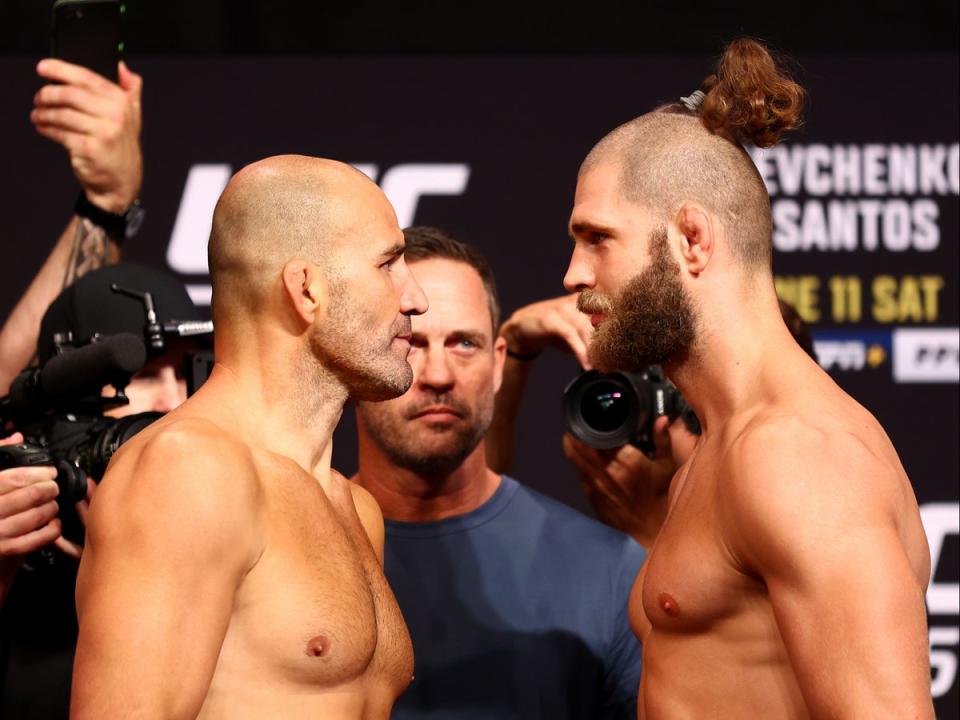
{"x":605,"y":408}
{"x":604,"y":411}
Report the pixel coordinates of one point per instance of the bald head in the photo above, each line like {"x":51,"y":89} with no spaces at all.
{"x":666,"y":159}
{"x":277,"y":209}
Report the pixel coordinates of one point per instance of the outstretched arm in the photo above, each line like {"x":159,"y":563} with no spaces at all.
{"x":170,"y":536}
{"x":827,"y":526}
{"x":529,"y":331}
{"x":98,"y":123}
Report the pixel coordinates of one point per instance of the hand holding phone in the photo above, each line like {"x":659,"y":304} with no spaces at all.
{"x":98,"y":122}
{"x":87,"y":32}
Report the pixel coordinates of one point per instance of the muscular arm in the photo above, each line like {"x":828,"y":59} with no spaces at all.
{"x":528,"y":332}
{"x":170,"y":536}
{"x":818,"y":518}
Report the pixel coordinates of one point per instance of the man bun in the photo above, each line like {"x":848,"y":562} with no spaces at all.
{"x":750,"y":98}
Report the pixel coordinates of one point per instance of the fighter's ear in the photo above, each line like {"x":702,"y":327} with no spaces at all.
{"x":306,"y":288}
{"x":698,"y":241}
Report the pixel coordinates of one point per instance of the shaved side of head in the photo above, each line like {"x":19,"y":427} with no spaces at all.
{"x":272,"y":211}
{"x":667,"y":159}
{"x":693,"y":152}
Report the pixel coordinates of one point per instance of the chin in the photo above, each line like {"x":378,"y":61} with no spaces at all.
{"x":380,"y":387}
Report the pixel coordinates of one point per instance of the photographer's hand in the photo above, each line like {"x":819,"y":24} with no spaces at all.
{"x":555,"y":322}
{"x":83,"y":507}
{"x":628,"y":490}
{"x":98,"y":122}
{"x":28,"y":514}
{"x":528,"y":331}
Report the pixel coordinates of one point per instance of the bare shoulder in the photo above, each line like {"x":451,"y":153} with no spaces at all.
{"x":187,"y":471}
{"x":803,"y":482}
{"x":371,"y":517}
{"x":366,"y":504}
{"x":179,"y":451}
{"x":785,"y":454}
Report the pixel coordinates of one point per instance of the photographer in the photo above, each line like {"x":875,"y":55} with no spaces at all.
{"x":39,"y":628}
{"x":98,"y":123}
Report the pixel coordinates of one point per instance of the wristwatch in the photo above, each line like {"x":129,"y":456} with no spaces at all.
{"x":119,"y":227}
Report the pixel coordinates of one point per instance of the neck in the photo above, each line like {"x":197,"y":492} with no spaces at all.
{"x":407,"y":496}
{"x":274,"y":396}
{"x":743,"y":356}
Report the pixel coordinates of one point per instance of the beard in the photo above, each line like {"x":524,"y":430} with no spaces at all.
{"x":364,"y":360}
{"x":651,"y":321}
{"x":436,"y":449}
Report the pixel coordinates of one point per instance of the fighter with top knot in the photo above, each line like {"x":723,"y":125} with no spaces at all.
{"x":788,"y":578}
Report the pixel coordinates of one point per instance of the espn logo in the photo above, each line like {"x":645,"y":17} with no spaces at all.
{"x":851,"y":350}
{"x":841,"y":354}
{"x":922,"y":355}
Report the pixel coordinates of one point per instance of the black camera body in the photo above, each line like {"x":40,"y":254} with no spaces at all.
{"x":71,"y":480}
{"x":76,"y":445}
{"x":59,"y":407}
{"x":608,"y":410}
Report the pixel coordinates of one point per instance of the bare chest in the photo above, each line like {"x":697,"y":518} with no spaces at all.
{"x":316,"y":610}
{"x":690,"y":582}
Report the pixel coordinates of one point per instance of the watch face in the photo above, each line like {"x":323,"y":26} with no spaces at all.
{"x":134,"y":218}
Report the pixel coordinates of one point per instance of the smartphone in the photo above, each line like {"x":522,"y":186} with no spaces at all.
{"x":87,"y":32}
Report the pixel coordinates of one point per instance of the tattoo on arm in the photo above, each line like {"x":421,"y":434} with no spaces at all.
{"x":92,"y":249}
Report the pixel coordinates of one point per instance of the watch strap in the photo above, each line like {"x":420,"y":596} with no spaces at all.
{"x":118,"y":227}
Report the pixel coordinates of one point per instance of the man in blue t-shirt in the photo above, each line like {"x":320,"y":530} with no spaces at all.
{"x":517,"y":605}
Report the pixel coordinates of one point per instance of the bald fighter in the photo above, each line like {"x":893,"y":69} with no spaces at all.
{"x":228,"y":572}
{"x":788,"y":578}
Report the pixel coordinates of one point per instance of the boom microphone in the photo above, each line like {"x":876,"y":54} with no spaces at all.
{"x":92,"y":366}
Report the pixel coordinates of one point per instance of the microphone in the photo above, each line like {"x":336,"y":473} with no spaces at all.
{"x":89,"y":367}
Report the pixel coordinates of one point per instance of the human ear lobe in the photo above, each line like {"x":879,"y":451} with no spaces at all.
{"x":698,"y":237}
{"x":305,"y":288}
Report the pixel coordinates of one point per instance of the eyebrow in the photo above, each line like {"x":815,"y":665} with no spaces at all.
{"x":394,"y":251}
{"x":586,"y":227}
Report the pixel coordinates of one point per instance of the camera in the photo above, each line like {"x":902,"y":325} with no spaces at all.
{"x":607,"y":410}
{"x":78,"y":446}
{"x":59,"y":407}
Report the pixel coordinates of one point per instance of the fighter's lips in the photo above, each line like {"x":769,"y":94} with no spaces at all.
{"x":596,"y":318}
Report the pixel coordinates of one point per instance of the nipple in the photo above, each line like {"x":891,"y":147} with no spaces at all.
{"x":668,"y":604}
{"x":318,"y":646}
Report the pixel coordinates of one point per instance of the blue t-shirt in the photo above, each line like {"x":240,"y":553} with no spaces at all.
{"x":517,"y":610}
